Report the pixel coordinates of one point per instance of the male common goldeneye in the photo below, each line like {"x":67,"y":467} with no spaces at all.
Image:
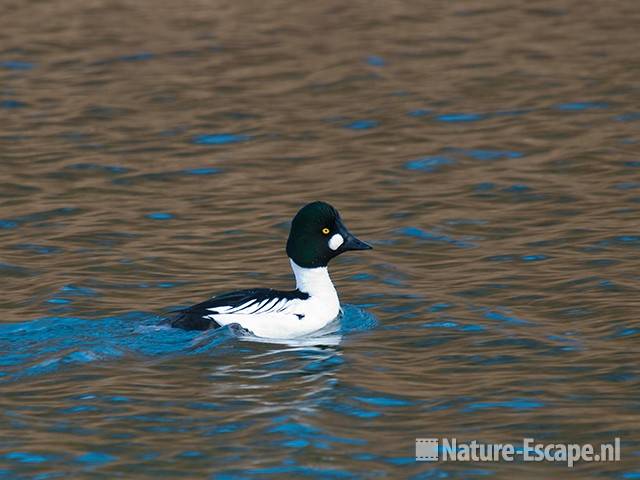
{"x":317,"y":235}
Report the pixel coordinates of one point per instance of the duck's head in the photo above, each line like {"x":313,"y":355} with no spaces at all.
{"x":318,"y":234}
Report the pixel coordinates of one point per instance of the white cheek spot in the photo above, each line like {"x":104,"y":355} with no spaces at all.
{"x":336,"y":241}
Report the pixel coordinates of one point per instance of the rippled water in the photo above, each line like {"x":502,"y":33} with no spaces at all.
{"x":152,"y":154}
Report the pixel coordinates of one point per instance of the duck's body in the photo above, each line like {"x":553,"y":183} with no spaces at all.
{"x":270,"y":313}
{"x":317,"y":235}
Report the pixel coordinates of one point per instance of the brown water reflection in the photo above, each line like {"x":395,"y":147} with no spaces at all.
{"x":489,"y":151}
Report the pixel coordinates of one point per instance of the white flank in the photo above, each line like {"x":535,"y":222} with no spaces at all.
{"x":291,"y":318}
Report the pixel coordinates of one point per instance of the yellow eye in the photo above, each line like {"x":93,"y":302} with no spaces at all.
{"x":325,"y":230}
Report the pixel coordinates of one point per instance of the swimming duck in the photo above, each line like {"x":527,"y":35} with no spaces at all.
{"x":317,"y":235}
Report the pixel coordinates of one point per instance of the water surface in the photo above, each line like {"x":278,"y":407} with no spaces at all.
{"x":153,"y":153}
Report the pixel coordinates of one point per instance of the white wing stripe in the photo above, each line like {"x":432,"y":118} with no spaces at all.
{"x":269,"y":306}
{"x":244,"y":306}
{"x":254,"y":306}
{"x":260,"y":305}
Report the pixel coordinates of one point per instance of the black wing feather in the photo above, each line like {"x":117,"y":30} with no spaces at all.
{"x":196,"y":317}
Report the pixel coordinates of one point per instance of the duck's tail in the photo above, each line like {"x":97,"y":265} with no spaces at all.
{"x":188,"y":319}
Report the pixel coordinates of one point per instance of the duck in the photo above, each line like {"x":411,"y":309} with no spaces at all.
{"x":317,"y":235}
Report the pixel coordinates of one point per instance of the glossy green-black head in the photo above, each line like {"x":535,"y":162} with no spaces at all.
{"x":318,"y":234}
